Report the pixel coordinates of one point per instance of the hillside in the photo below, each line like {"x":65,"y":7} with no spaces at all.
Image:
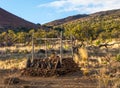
{"x":100,"y":25}
{"x":11,"y":21}
{"x":109,"y":12}
{"x":81,"y":17}
{"x":65,"y":20}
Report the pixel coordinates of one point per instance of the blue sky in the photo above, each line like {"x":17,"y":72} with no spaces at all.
{"x":43,"y":11}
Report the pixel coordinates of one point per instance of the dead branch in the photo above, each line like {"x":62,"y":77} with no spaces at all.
{"x":106,"y":44}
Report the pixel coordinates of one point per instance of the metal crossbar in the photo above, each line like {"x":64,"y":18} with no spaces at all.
{"x":48,"y":38}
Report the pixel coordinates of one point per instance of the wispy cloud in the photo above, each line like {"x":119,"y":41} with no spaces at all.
{"x":82,"y":6}
{"x":56,"y":4}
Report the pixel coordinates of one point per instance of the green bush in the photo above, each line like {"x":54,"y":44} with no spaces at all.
{"x":97,"y":42}
{"x":118,"y":57}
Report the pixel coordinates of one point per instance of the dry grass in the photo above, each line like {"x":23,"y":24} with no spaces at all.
{"x":83,"y":53}
{"x":13,"y":63}
{"x":81,"y":58}
{"x":28,"y":48}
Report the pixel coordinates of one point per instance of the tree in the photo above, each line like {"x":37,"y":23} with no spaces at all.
{"x":11,"y":37}
{"x":21,"y":37}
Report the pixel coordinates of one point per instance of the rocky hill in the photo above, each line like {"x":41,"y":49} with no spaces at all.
{"x":11,"y":21}
{"x":83,"y":17}
{"x":65,"y":20}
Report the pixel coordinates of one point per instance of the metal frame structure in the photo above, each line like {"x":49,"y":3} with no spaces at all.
{"x":48,"y":39}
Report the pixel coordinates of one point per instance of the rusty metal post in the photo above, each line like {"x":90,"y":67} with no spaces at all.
{"x":46,"y":55}
{"x":72,"y":45}
{"x":61,"y":48}
{"x":33,"y":46}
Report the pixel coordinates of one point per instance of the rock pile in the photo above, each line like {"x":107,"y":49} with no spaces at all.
{"x":68,"y":65}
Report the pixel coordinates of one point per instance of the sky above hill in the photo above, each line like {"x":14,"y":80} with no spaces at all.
{"x":43,"y":11}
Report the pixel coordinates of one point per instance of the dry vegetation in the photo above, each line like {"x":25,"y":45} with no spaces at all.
{"x":100,"y":69}
{"x":13,"y":63}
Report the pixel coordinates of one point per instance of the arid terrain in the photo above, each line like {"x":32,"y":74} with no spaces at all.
{"x":69,"y":81}
{"x":79,"y":51}
{"x":103,"y":71}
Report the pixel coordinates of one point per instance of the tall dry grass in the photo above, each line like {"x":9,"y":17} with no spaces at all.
{"x":13,"y":63}
{"x":81,"y":58}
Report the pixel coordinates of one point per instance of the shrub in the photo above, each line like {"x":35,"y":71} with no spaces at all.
{"x":8,"y":50}
{"x":118,"y":57}
{"x":97,"y":42}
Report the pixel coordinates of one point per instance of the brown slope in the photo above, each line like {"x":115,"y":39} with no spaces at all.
{"x":9,"y":20}
{"x":84,"y":17}
{"x":65,"y":20}
{"x":107,"y":12}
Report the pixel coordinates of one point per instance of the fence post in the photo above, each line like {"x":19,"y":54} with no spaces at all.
{"x":61,"y":48}
{"x":72,"y":45}
{"x":46,"y":46}
{"x":33,"y":46}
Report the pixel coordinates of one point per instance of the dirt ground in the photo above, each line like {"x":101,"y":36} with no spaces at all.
{"x":73,"y":80}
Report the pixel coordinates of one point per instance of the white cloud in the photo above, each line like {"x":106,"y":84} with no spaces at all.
{"x":82,"y":6}
{"x":56,"y":4}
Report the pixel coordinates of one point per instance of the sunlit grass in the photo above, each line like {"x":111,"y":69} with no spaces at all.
{"x":13,"y":63}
